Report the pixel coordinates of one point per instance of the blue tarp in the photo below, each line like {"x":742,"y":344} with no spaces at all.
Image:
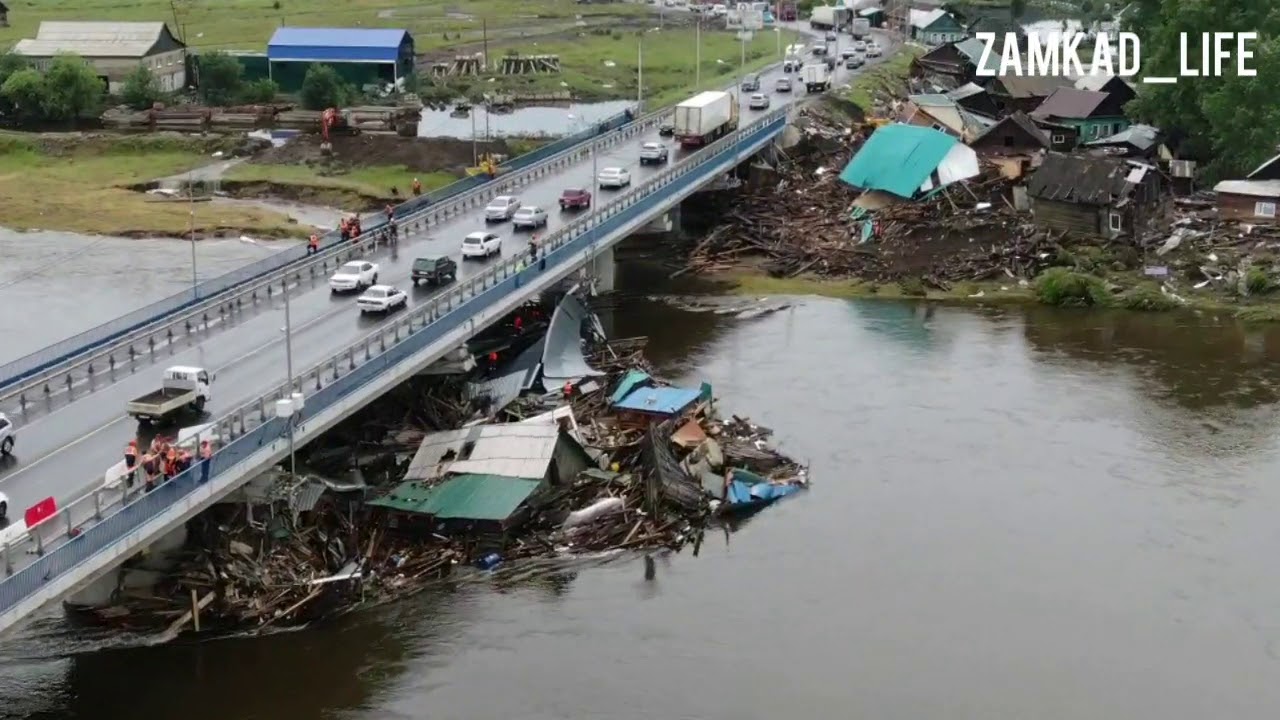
{"x":660,"y":400}
{"x":632,"y":380}
{"x":336,"y":44}
{"x":747,"y":488}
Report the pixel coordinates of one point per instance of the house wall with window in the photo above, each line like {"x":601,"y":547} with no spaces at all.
{"x":1254,"y":201}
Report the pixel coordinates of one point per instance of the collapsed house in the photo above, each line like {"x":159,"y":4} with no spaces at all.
{"x":909,"y":162}
{"x":1095,"y":196}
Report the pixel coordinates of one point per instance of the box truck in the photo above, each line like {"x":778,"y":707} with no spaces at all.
{"x":816,"y":77}
{"x":705,"y":117}
{"x":859,"y":28}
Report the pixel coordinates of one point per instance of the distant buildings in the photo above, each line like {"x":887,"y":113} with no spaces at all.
{"x":114,"y":49}
{"x":4,"y":15}
{"x":362,"y":56}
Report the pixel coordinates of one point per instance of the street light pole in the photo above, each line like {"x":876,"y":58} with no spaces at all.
{"x":191,"y":198}
{"x":640,"y":76}
{"x":288,"y":361}
{"x":697,"y":43}
{"x":475,"y":148}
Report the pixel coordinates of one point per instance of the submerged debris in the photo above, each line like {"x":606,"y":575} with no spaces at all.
{"x":611,"y":460}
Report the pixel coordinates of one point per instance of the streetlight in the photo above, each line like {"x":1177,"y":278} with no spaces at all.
{"x":288,"y":354}
{"x":595,"y":176}
{"x":191,"y":196}
{"x":697,"y":49}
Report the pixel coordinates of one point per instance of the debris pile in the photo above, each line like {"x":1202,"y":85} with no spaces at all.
{"x":633,"y":465}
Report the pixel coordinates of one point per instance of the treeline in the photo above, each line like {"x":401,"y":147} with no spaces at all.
{"x":70,"y":89}
{"x":1228,"y":124}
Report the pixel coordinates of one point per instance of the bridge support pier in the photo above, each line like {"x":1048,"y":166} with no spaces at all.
{"x":664,"y":223}
{"x":143,"y":574}
{"x":603,"y":271}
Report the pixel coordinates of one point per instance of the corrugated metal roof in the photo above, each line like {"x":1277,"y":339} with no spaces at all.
{"x":462,"y":497}
{"x":629,"y":382}
{"x":966,"y":90}
{"x":1032,"y":86}
{"x":1070,"y":102}
{"x":336,"y":44}
{"x":1141,"y":137}
{"x":898,"y":159}
{"x":1081,"y":179}
{"x":1253,"y":188}
{"x":924,"y":18}
{"x":512,"y":450}
{"x":660,"y":400}
{"x":93,"y":39}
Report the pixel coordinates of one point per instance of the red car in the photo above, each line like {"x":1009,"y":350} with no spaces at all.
{"x":575,"y":198}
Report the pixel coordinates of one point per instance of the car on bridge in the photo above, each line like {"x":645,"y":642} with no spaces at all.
{"x":652,"y":152}
{"x":575,"y":199}
{"x":873,"y":50}
{"x":751,"y":83}
{"x":758,"y":101}
{"x":667,"y":128}
{"x":7,"y":435}
{"x":859,"y":46}
{"x":434,"y":270}
{"x":182,"y":388}
{"x":783,"y":85}
{"x":501,"y":208}
{"x":354,"y":275}
{"x":529,"y":216}
{"x":853,"y":62}
{"x":614,"y":177}
{"x":382,"y":298}
{"x":481,"y":244}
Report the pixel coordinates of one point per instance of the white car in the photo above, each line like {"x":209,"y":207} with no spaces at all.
{"x":381,"y":298}
{"x":481,"y":245}
{"x":501,"y":208}
{"x":614,"y":177}
{"x":759,"y":101}
{"x":529,"y":216}
{"x":652,"y":152}
{"x":353,"y":276}
{"x":859,"y":46}
{"x":873,"y":50}
{"x":7,"y":435}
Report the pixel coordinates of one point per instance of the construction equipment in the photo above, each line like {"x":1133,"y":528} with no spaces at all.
{"x":489,"y":165}
{"x":333,"y":120}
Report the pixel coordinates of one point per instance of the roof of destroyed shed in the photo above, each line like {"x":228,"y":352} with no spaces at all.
{"x":462,"y":497}
{"x":1069,"y":102}
{"x":513,"y":450}
{"x":1142,"y":137}
{"x":1023,"y":121}
{"x":1032,"y":86}
{"x":966,"y":90}
{"x":660,"y":400}
{"x":898,"y":159}
{"x":632,"y":380}
{"x":1253,"y":188}
{"x":1080,"y":179}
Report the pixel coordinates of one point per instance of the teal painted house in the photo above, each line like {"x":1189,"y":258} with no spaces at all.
{"x":1093,"y":114}
{"x":934,"y":27}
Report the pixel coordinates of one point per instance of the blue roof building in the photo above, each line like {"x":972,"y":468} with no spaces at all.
{"x":361,"y":55}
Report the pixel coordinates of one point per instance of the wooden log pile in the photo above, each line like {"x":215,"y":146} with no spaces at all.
{"x":529,"y":64}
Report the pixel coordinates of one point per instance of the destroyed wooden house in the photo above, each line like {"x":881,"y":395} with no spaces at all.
{"x":1093,"y":114}
{"x":1250,"y":201}
{"x":952,"y":64}
{"x":484,"y":477}
{"x":1022,"y":92}
{"x":1014,"y":144}
{"x":909,"y":162}
{"x":1135,"y":141}
{"x":1095,"y":196}
{"x":943,"y":114}
{"x":975,"y":99}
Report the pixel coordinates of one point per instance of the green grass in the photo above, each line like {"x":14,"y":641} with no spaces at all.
{"x":368,"y":182}
{"x":247,"y":24}
{"x":755,"y":283}
{"x":890,"y":74}
{"x":81,"y":185}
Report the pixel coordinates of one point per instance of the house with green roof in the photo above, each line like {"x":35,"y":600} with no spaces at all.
{"x":909,"y":161}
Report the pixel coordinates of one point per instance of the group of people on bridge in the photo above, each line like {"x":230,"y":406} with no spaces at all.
{"x":162,"y":461}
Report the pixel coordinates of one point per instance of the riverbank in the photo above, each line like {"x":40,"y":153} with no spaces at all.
{"x":81,"y":182}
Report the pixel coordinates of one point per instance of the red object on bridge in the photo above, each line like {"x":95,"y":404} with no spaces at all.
{"x":40,"y":512}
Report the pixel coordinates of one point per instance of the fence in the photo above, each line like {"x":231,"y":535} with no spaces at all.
{"x":90,"y":532}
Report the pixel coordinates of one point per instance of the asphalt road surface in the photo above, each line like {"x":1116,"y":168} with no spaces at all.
{"x":65,"y":453}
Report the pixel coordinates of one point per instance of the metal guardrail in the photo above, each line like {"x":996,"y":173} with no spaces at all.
{"x":94,"y":523}
{"x":79,"y":344}
{"x":142,"y":344}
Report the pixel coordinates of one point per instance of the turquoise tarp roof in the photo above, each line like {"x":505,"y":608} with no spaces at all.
{"x":897,"y":159}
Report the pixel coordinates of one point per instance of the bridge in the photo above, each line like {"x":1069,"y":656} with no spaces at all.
{"x":342,"y":363}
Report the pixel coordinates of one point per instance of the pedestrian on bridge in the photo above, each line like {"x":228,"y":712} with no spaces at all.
{"x":206,"y":459}
{"x":130,"y":462}
{"x":313,"y":244}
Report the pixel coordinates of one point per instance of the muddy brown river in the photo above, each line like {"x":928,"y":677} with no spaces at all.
{"x":1016,"y":514}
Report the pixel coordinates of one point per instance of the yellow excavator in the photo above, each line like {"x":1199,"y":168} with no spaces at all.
{"x":489,"y":165}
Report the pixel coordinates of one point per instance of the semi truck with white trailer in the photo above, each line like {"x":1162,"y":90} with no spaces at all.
{"x":816,"y":77}
{"x":182,"y":388}
{"x":859,"y":28}
{"x":826,"y":17}
{"x":705,"y":117}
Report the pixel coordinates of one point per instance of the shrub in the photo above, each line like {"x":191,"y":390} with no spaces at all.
{"x":1066,"y":288}
{"x":1257,"y":281}
{"x":1147,"y":299}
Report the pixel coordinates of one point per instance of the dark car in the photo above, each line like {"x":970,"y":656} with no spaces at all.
{"x":667,"y":128}
{"x":575,"y":199}
{"x":751,"y":83}
{"x":434,"y":270}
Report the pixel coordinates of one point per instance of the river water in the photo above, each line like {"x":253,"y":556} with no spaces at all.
{"x":1017,"y":513}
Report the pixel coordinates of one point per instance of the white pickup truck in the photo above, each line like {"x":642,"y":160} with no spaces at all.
{"x":183,"y":388}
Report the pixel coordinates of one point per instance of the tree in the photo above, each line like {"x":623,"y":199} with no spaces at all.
{"x":322,"y":88}
{"x":10,"y":63}
{"x":72,"y":89}
{"x":1229,"y":124}
{"x":262,"y":90}
{"x":24,"y":91}
{"x":141,"y":90}
{"x":221,"y":79}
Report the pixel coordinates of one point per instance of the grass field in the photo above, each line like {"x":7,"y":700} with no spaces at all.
{"x":352,"y":188}
{"x":248,"y":24}
{"x":81,"y":186}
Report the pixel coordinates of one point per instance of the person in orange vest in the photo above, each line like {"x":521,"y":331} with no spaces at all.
{"x":130,"y":462}
{"x":519,"y":323}
{"x":344,"y":227}
{"x":149,"y":470}
{"x":568,"y":390}
{"x":417,"y":187}
{"x":170,"y":463}
{"x":356,"y":230}
{"x":313,"y":244}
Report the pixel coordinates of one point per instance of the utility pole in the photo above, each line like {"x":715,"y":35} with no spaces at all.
{"x":697,"y":41}
{"x":640,"y":76}
{"x":288,"y":361}
{"x":191,"y":200}
{"x":475,"y":147}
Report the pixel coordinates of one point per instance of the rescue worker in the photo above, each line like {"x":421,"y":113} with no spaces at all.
{"x":356,"y":230}
{"x":149,"y":469}
{"x":568,"y":391}
{"x":313,"y":244}
{"x":417,"y":187}
{"x":206,"y":459}
{"x":519,"y":323}
{"x":493,"y":360}
{"x":130,"y":462}
{"x":344,"y":228}
{"x":184,"y":461}
{"x":392,"y":229}
{"x":170,"y":464}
